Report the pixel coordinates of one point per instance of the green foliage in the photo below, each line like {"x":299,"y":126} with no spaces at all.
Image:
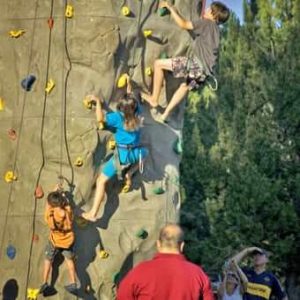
{"x":240,"y":168}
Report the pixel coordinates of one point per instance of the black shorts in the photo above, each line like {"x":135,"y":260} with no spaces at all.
{"x":51,"y":251}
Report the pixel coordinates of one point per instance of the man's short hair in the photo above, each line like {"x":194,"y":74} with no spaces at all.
{"x":171,"y":236}
{"x":220,"y":12}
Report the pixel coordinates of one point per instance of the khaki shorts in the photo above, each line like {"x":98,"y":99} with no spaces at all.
{"x":51,"y":251}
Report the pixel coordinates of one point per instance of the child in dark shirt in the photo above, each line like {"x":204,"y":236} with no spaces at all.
{"x":195,"y":67}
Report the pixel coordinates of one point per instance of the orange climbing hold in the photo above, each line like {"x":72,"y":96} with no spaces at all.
{"x":35,"y":238}
{"x":12,"y":134}
{"x":147,"y":33}
{"x":10,"y":176}
{"x":50,"y":22}
{"x":16,"y":33}
{"x":39,"y":193}
{"x":2,"y":104}
{"x":125,"y":11}
{"x":69,"y":11}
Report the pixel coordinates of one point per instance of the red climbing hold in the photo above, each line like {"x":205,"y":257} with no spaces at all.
{"x":35,"y":238}
{"x":12,"y":134}
{"x":50,"y":23}
{"x":39,"y":193}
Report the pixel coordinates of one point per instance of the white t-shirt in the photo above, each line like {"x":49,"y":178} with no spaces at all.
{"x":235,"y":296}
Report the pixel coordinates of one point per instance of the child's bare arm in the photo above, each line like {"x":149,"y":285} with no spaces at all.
{"x":100,"y":115}
{"x":179,"y":20}
{"x":129,"y":87}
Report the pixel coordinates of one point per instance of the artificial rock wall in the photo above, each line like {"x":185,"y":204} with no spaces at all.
{"x":83,"y":54}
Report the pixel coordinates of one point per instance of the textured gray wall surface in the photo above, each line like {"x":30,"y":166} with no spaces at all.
{"x":84,"y":54}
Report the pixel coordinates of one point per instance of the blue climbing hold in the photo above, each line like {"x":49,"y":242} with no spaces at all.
{"x":27,"y":82}
{"x":11,"y":252}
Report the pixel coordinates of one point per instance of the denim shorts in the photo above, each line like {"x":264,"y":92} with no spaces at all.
{"x":51,"y":251}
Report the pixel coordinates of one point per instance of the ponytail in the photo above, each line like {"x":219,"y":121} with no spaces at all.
{"x":129,"y":106}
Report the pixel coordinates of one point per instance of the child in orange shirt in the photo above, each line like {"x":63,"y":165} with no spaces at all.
{"x":59,"y":218}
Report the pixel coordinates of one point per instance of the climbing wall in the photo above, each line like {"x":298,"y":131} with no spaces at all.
{"x":51,"y":56}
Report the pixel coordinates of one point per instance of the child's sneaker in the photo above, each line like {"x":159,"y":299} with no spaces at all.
{"x":44,"y":287}
{"x":72,"y":288}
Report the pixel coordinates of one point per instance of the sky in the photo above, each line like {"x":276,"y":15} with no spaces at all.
{"x":234,"y":5}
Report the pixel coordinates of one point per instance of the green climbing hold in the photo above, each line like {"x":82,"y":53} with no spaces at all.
{"x":163,"y":55}
{"x":158,"y":191}
{"x":177,"y":146}
{"x":163,"y":11}
{"x":141,"y":234}
{"x":116,"y":277}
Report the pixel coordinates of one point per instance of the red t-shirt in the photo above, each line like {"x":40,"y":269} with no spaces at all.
{"x":165,"y":277}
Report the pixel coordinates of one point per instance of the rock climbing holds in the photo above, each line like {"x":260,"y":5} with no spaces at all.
{"x":148,"y":71}
{"x":103,"y":254}
{"x":16,"y":33}
{"x":11,"y":252}
{"x":2,"y":104}
{"x":88,"y":103}
{"x":50,"y":85}
{"x":163,"y":55}
{"x":10,"y":176}
{"x":116,"y":277}
{"x":27,"y":82}
{"x":122,"y":81}
{"x":69,"y":11}
{"x":12,"y":134}
{"x":158,"y":191}
{"x":111,"y":144}
{"x":163,"y":11}
{"x":35,"y":238}
{"x":81,"y":222}
{"x":141,"y":234}
{"x":125,"y":11}
{"x":147,"y":33}
{"x":101,"y":125}
{"x":39,"y":193}
{"x":32,"y":294}
{"x":50,"y":22}
{"x":78,"y":162}
{"x":177,"y":146}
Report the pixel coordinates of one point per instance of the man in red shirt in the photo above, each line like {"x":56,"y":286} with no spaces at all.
{"x":168,"y":276}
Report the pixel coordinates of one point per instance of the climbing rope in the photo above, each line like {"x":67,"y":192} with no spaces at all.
{"x":20,"y":131}
{"x":203,"y":8}
{"x":42,"y":150}
{"x":63,"y":126}
{"x":130,"y":73}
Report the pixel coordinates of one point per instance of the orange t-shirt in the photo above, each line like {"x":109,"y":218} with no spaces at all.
{"x":60,"y":221}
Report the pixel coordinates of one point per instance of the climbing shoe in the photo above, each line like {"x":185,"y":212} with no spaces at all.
{"x":44,"y":287}
{"x":72,"y":289}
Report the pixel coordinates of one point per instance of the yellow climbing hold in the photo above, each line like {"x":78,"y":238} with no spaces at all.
{"x":122,"y":80}
{"x":50,"y":86}
{"x":148,"y":71}
{"x":125,"y":11}
{"x":2,"y":104}
{"x":147,"y":33}
{"x":88,"y":103}
{"x":111,"y":144}
{"x":10,"y":176}
{"x":16,"y":33}
{"x":69,"y":11}
{"x":101,"y":125}
{"x":32,"y":294}
{"x":103,"y":254}
{"x":78,"y":162}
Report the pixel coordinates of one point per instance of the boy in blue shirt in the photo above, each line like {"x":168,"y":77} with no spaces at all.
{"x":262,"y":284}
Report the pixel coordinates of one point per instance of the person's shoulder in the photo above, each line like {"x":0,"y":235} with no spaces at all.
{"x":194,"y":268}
